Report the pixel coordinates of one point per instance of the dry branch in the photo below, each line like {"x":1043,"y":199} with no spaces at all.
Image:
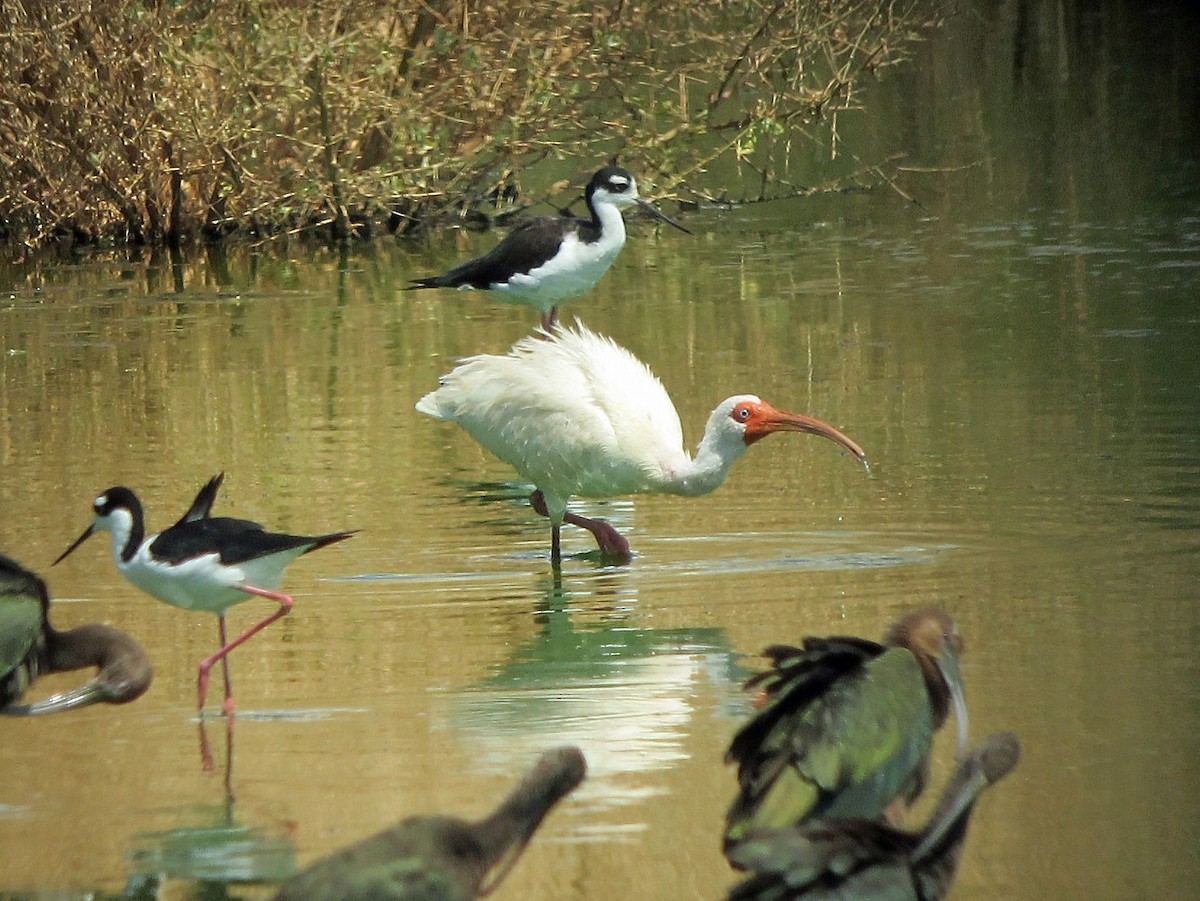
{"x":150,"y":121}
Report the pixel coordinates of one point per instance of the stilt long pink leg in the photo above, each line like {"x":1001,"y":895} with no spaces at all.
{"x":224,"y":663}
{"x":285,"y":605}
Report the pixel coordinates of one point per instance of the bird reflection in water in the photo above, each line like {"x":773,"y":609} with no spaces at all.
{"x":216,"y":852}
{"x":595,"y":675}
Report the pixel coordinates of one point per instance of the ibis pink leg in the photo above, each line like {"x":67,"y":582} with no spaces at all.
{"x":612,"y":543}
{"x":285,"y":606}
{"x":550,"y":319}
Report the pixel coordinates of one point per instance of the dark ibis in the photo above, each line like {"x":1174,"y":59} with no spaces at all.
{"x":31,"y":647}
{"x":202,"y":562}
{"x":549,"y":259}
{"x":869,"y":860}
{"x":438,"y":858}
{"x":846,"y":725}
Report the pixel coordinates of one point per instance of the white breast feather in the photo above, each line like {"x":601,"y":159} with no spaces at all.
{"x":577,"y":414}
{"x":574,"y":270}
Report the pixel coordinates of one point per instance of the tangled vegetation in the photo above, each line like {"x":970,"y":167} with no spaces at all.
{"x":153,"y":121}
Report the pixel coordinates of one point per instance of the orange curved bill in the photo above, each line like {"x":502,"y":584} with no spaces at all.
{"x":767,"y":420}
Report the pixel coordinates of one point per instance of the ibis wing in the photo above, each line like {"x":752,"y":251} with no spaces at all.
{"x":23,"y":606}
{"x":823,"y":855}
{"x":776,"y":787}
{"x":844,"y":729}
{"x":22,"y":632}
{"x":574,"y":413}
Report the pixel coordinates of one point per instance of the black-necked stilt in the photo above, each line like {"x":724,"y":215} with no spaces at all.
{"x":439,"y":857}
{"x":547,"y":260}
{"x":30,"y":647}
{"x":201,"y":562}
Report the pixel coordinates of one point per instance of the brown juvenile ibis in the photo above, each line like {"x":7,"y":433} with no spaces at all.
{"x":846,"y":725}
{"x":578,"y":415}
{"x":31,"y":647}
{"x":438,"y":858}
{"x":869,"y":860}
{"x":201,"y":563}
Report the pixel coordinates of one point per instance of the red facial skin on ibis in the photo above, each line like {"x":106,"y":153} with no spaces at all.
{"x":761,"y":420}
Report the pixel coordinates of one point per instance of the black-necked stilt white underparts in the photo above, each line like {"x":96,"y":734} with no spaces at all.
{"x":31,"y":647}
{"x":201,"y":562}
{"x":547,"y":260}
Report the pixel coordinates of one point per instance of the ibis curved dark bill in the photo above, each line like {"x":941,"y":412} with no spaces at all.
{"x":437,"y":858}
{"x":846,"y":725}
{"x":578,"y":415}
{"x":31,"y":647}
{"x":869,"y":860}
{"x":547,"y":260}
{"x":201,"y":563}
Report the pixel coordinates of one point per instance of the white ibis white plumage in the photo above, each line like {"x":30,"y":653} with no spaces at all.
{"x":579,"y":415}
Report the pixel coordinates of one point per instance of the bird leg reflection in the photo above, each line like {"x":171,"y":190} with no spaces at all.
{"x":206,"y":757}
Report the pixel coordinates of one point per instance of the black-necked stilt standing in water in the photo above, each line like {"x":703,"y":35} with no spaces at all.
{"x":201,"y":563}
{"x":31,"y":647}
{"x":547,"y":260}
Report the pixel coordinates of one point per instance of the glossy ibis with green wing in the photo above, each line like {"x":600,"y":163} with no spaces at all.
{"x":31,"y":647}
{"x":846,"y":725}
{"x":869,"y":860}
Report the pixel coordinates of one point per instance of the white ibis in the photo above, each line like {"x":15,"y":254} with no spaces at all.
{"x":549,"y":259}
{"x":579,"y":415}
{"x":201,"y":563}
{"x":31,"y":647}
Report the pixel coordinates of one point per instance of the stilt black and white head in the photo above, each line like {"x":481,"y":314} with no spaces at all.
{"x":202,"y":562}
{"x":545,"y":261}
